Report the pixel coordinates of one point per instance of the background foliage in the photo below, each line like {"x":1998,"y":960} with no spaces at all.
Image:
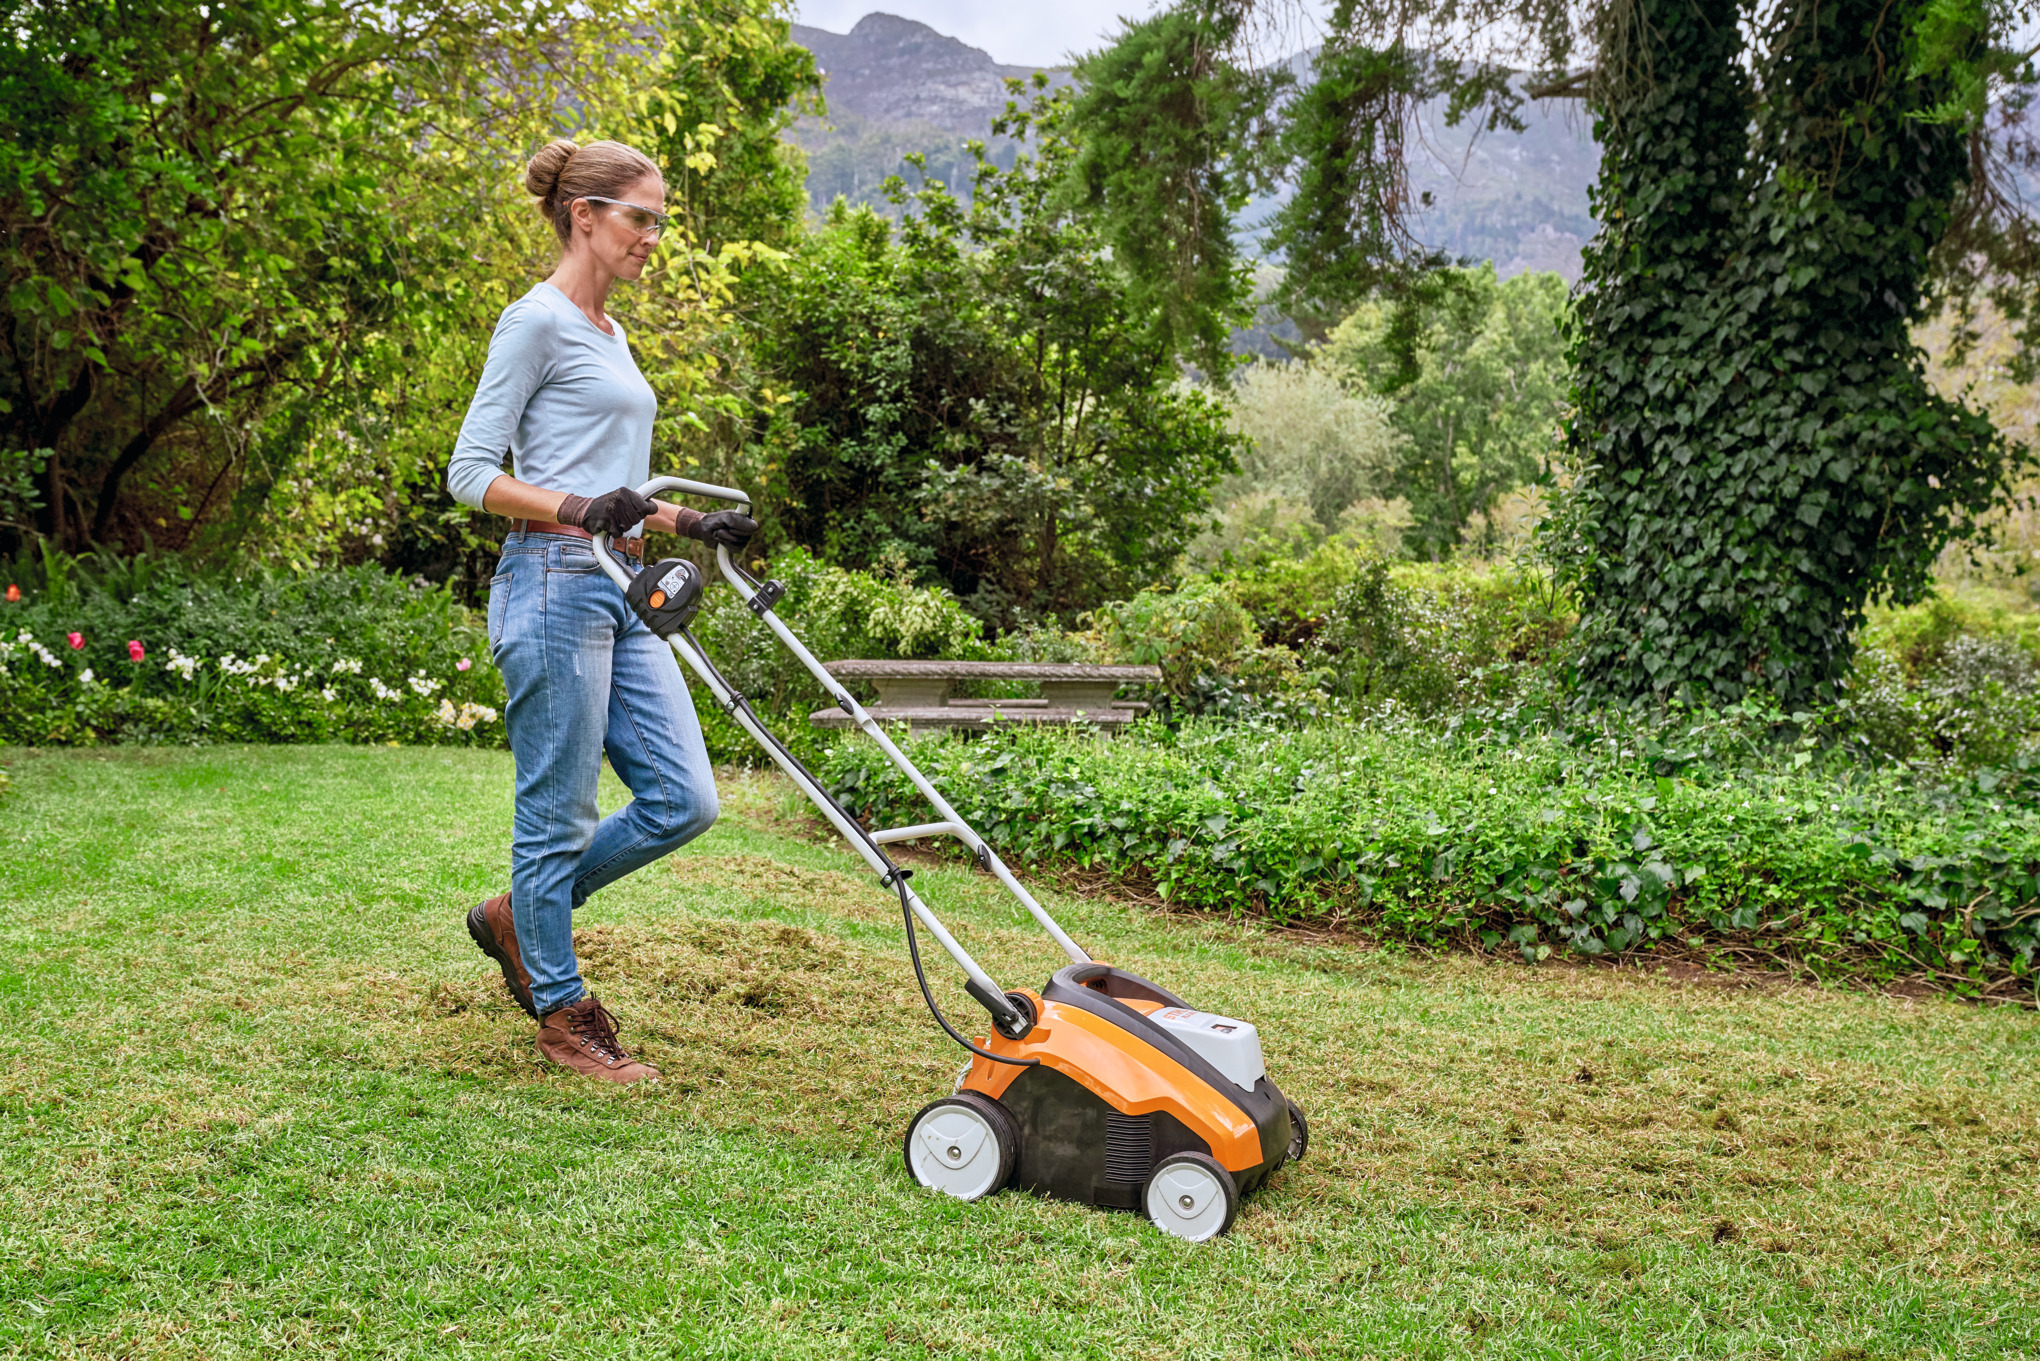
{"x":1474,"y":370}
{"x":255,"y":252}
{"x":982,"y":397}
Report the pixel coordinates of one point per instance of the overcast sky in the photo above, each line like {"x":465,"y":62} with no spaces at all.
{"x":1033,"y":33}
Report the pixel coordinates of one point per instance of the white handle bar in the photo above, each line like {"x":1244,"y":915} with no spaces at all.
{"x":614,"y":569}
{"x":952,"y":820}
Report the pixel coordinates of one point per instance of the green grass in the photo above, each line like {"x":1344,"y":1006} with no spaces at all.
{"x":258,"y":1093}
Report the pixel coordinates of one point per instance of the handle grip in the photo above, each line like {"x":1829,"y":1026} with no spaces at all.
{"x":613,"y":569}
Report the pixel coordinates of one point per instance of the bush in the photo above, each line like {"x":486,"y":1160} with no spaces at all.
{"x":1951,"y":682}
{"x":1199,"y":635}
{"x":1434,"y":637}
{"x":106,"y":649}
{"x":1613,"y":842}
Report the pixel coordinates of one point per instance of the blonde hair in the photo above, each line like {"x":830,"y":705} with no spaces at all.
{"x":563,"y":171}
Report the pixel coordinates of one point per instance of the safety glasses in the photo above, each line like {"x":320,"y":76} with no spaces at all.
{"x":643,"y":221}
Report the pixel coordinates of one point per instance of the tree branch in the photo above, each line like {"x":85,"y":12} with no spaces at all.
{"x":181,"y":404}
{"x":1574,"y":86}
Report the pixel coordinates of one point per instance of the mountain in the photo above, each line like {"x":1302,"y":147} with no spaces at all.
{"x":1516,"y":198}
{"x":895,"y":86}
{"x":894,"y":72}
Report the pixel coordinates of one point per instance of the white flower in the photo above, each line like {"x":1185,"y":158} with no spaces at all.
{"x":182,"y":665}
{"x":328,"y":695}
{"x":86,"y":679}
{"x":466,"y":716}
{"x":349,"y":665}
{"x":43,"y":654}
{"x":284,"y":684}
{"x":383,"y":692}
{"x":423,"y":686}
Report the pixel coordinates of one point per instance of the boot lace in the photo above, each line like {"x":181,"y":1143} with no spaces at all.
{"x":596,"y":1026}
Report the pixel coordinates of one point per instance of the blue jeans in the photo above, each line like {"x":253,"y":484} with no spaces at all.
{"x":586,"y":676}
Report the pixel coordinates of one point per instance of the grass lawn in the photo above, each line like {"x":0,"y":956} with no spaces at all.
{"x":259,"y":1093}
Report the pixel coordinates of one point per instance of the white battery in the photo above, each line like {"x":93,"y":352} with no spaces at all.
{"x":1233,"y":1047}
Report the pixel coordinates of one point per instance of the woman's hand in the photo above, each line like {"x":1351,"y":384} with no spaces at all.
{"x":610,"y":513}
{"x":723,"y":528}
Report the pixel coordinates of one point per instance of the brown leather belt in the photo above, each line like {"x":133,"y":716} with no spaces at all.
{"x":631,"y":547}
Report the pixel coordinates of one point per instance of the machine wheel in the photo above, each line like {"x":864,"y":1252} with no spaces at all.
{"x":1191,"y":1196}
{"x":962,"y":1145}
{"x":1299,"y":1134}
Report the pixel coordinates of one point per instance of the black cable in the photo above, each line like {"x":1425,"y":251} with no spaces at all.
{"x":921,"y":976}
{"x":895,"y":878}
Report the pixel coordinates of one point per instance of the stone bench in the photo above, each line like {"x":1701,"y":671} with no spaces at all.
{"x":917,"y":693}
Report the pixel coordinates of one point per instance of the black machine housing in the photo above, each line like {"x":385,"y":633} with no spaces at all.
{"x":667,"y":595}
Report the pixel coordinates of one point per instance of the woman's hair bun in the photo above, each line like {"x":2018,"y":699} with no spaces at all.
{"x":542,"y":174}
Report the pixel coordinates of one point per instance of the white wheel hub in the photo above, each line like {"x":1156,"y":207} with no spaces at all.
{"x":1185,"y":1200}
{"x":956,"y":1152}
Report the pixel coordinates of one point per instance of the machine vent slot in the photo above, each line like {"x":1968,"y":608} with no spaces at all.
{"x":1129,"y":1148}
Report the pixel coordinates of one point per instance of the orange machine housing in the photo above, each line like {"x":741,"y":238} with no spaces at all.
{"x":1111,"y":1093}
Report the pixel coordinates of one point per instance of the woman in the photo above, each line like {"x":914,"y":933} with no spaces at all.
{"x":562,"y":394}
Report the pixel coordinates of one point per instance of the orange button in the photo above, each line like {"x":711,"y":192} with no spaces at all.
{"x":658,"y":599}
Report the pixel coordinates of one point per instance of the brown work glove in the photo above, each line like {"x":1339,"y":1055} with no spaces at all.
{"x":723,"y":528}
{"x":610,"y":513}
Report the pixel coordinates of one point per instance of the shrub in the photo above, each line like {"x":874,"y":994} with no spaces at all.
{"x":1288,"y":597}
{"x":350,"y":655}
{"x":1697,"y":838}
{"x":1197,"y":633}
{"x":1919,"y":636}
{"x":1435,"y":637}
{"x":1951,"y":682}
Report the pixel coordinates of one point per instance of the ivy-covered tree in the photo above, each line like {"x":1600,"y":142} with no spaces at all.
{"x":1759,"y":450}
{"x":1785,"y":190}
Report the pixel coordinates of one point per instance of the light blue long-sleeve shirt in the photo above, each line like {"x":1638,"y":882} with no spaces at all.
{"x":564,"y":398}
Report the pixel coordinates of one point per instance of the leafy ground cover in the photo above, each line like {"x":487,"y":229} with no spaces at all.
{"x":258,"y":1093}
{"x":1689,"y":836}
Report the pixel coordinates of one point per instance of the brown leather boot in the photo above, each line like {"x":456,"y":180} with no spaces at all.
{"x":582,"y":1036}
{"x":493,"y":928}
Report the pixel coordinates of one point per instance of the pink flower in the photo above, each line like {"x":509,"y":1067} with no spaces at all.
{"x":135,"y":650}
{"x":462,"y":665}
{"x":77,"y":641}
